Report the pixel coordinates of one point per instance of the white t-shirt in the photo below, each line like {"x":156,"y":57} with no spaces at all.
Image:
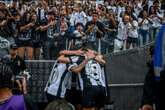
{"x":122,"y":31}
{"x":145,"y":25}
{"x":78,"y":17}
{"x":156,"y":21}
{"x":133,"y":29}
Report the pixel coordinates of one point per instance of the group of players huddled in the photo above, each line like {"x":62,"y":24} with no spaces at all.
{"x":78,"y":76}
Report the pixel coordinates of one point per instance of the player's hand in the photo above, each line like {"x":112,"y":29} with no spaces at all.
{"x":63,"y":52}
{"x":79,"y":52}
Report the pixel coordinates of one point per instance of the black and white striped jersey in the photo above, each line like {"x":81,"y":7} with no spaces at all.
{"x":91,"y":75}
{"x":59,"y":80}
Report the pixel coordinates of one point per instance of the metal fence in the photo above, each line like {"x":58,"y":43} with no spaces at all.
{"x":126,"y":71}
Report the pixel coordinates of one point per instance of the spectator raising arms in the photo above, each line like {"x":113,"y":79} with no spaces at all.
{"x":37,"y":39}
{"x":24,"y":39}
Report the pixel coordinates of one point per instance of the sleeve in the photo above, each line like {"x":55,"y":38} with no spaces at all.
{"x":75,"y":61}
{"x":71,"y":66}
{"x":72,"y":19}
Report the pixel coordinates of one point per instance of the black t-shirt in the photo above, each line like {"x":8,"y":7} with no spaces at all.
{"x":43,"y":34}
{"x":35,"y":34}
{"x":98,"y":25}
{"x":13,"y":11}
{"x":17,"y":65}
{"x":61,"y":40}
{"x":5,"y":30}
{"x":26,"y":34}
{"x":13,"y":27}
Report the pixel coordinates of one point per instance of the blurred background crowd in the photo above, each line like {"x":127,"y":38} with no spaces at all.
{"x":42,"y":28}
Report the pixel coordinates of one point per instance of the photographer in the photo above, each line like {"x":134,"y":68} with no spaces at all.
{"x":17,"y":65}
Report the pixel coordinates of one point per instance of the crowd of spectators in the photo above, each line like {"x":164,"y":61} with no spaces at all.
{"x":41,"y":30}
{"x":38,"y":30}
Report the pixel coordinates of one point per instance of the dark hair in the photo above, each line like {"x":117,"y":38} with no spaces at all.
{"x":141,"y":14}
{"x":150,"y":10}
{"x":79,"y":24}
{"x":24,"y":18}
{"x":156,"y":1}
{"x":59,"y":105}
{"x":6,"y":75}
